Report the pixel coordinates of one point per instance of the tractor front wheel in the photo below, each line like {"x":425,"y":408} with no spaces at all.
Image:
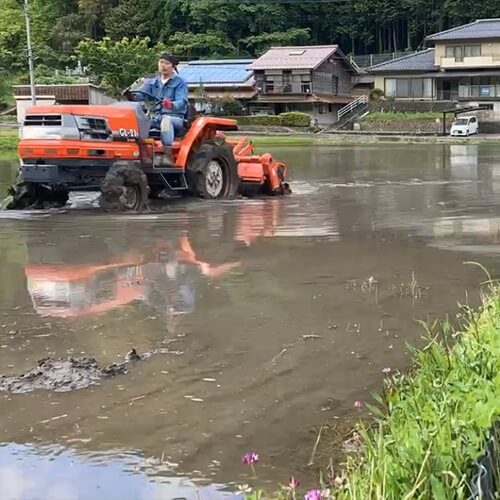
{"x":27,"y":195}
{"x":212,"y":171}
{"x":125,"y":187}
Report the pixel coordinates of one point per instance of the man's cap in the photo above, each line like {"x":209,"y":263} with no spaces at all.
{"x":169,"y":57}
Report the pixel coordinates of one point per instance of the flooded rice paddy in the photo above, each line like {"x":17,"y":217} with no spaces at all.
{"x":268,"y":317}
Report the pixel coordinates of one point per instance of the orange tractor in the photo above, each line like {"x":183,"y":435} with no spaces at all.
{"x":113,"y":149}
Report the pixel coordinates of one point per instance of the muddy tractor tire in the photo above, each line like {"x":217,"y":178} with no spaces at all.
{"x":212,"y":171}
{"x":26,"y":195}
{"x":125,"y":188}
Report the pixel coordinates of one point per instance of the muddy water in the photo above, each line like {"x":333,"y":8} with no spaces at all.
{"x":272,"y":317}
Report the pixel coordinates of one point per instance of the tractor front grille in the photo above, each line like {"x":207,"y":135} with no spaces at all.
{"x":94,"y":129}
{"x":43,"y":120}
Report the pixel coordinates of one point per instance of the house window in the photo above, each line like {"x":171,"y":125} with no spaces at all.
{"x":390,"y":87}
{"x":416,"y":87}
{"x":408,"y":87}
{"x":427,"y":87}
{"x":305,"y":84}
{"x":402,"y":87}
{"x":287,"y":81}
{"x":455,"y":52}
{"x":269,"y":85}
{"x":472,"y":50}
{"x":335,"y":85}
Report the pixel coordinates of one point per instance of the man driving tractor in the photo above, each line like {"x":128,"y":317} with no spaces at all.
{"x":172,"y":90}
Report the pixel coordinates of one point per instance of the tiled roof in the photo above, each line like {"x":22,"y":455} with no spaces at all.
{"x":73,"y":92}
{"x":419,"y":61}
{"x":218,"y":73}
{"x":306,"y":57}
{"x":482,"y":28}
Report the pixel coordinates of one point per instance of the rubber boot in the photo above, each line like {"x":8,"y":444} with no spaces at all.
{"x":166,"y":158}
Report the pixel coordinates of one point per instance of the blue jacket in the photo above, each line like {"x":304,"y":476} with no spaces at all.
{"x":175,"y":89}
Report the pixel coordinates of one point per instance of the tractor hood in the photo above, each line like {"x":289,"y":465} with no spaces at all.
{"x":122,"y":117}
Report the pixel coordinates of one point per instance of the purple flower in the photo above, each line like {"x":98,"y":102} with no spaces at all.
{"x":293,"y":483}
{"x":313,"y":495}
{"x":250,"y":458}
{"x":386,"y":370}
{"x":358,"y":404}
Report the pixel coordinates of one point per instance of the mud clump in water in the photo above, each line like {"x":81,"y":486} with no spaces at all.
{"x":66,"y":374}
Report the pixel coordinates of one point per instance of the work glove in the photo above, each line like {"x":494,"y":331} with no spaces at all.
{"x":167,"y":103}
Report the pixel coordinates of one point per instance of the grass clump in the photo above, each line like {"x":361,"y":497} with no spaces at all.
{"x":432,"y":424}
{"x":9,"y":139}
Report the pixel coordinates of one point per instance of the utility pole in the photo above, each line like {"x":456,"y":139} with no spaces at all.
{"x":30,"y":53}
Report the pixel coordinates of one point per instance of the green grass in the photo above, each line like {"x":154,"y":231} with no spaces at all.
{"x":432,"y":423}
{"x":407,"y":116}
{"x":265,"y":140}
{"x":8,"y":139}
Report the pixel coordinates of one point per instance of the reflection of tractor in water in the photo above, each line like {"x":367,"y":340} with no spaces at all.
{"x":160,"y":280}
{"x":78,"y":276}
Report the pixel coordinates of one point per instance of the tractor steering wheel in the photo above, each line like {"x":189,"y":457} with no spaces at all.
{"x":152,"y":109}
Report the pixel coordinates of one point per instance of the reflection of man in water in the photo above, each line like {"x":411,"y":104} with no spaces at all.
{"x":172,"y":278}
{"x":180,"y":297}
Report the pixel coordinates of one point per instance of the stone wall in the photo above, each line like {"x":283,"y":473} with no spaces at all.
{"x":391,"y":106}
{"x":419,"y":126}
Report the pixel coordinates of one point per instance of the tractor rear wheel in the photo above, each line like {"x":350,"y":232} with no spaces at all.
{"x":212,"y":171}
{"x":125,"y":187}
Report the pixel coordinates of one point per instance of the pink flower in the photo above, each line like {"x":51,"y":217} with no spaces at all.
{"x":358,"y":404}
{"x":250,"y":458}
{"x":386,"y":370}
{"x":293,"y":483}
{"x":313,"y":495}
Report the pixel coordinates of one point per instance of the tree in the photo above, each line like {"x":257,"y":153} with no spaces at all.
{"x":213,"y":44}
{"x":93,"y":14}
{"x":12,"y":37}
{"x":119,"y":64}
{"x":258,"y":44}
{"x":131,"y":18}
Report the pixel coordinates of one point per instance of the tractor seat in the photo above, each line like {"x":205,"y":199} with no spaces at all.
{"x":188,"y":121}
{"x":155,"y":133}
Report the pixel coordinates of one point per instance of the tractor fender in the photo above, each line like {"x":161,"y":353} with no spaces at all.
{"x":202,"y":128}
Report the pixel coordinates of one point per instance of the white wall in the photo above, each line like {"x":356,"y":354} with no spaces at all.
{"x":23,"y":103}
{"x":97,"y":96}
{"x":485,"y":115}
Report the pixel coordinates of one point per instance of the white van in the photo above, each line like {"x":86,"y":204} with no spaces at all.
{"x":464,"y":125}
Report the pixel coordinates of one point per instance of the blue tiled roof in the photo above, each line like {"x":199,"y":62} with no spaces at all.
{"x":419,"y":61}
{"x":217,"y":72}
{"x":482,"y":28}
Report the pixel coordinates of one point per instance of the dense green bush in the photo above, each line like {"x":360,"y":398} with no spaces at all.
{"x":295,"y":119}
{"x":376,"y":94}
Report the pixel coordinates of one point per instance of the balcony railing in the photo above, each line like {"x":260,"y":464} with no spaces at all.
{"x":479,"y":91}
{"x":446,"y":95}
{"x":488,"y":59}
{"x":292,"y":88}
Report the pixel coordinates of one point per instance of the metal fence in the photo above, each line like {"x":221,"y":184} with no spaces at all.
{"x":369,"y":60}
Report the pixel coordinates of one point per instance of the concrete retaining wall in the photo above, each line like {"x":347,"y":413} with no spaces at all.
{"x":423,"y":126}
